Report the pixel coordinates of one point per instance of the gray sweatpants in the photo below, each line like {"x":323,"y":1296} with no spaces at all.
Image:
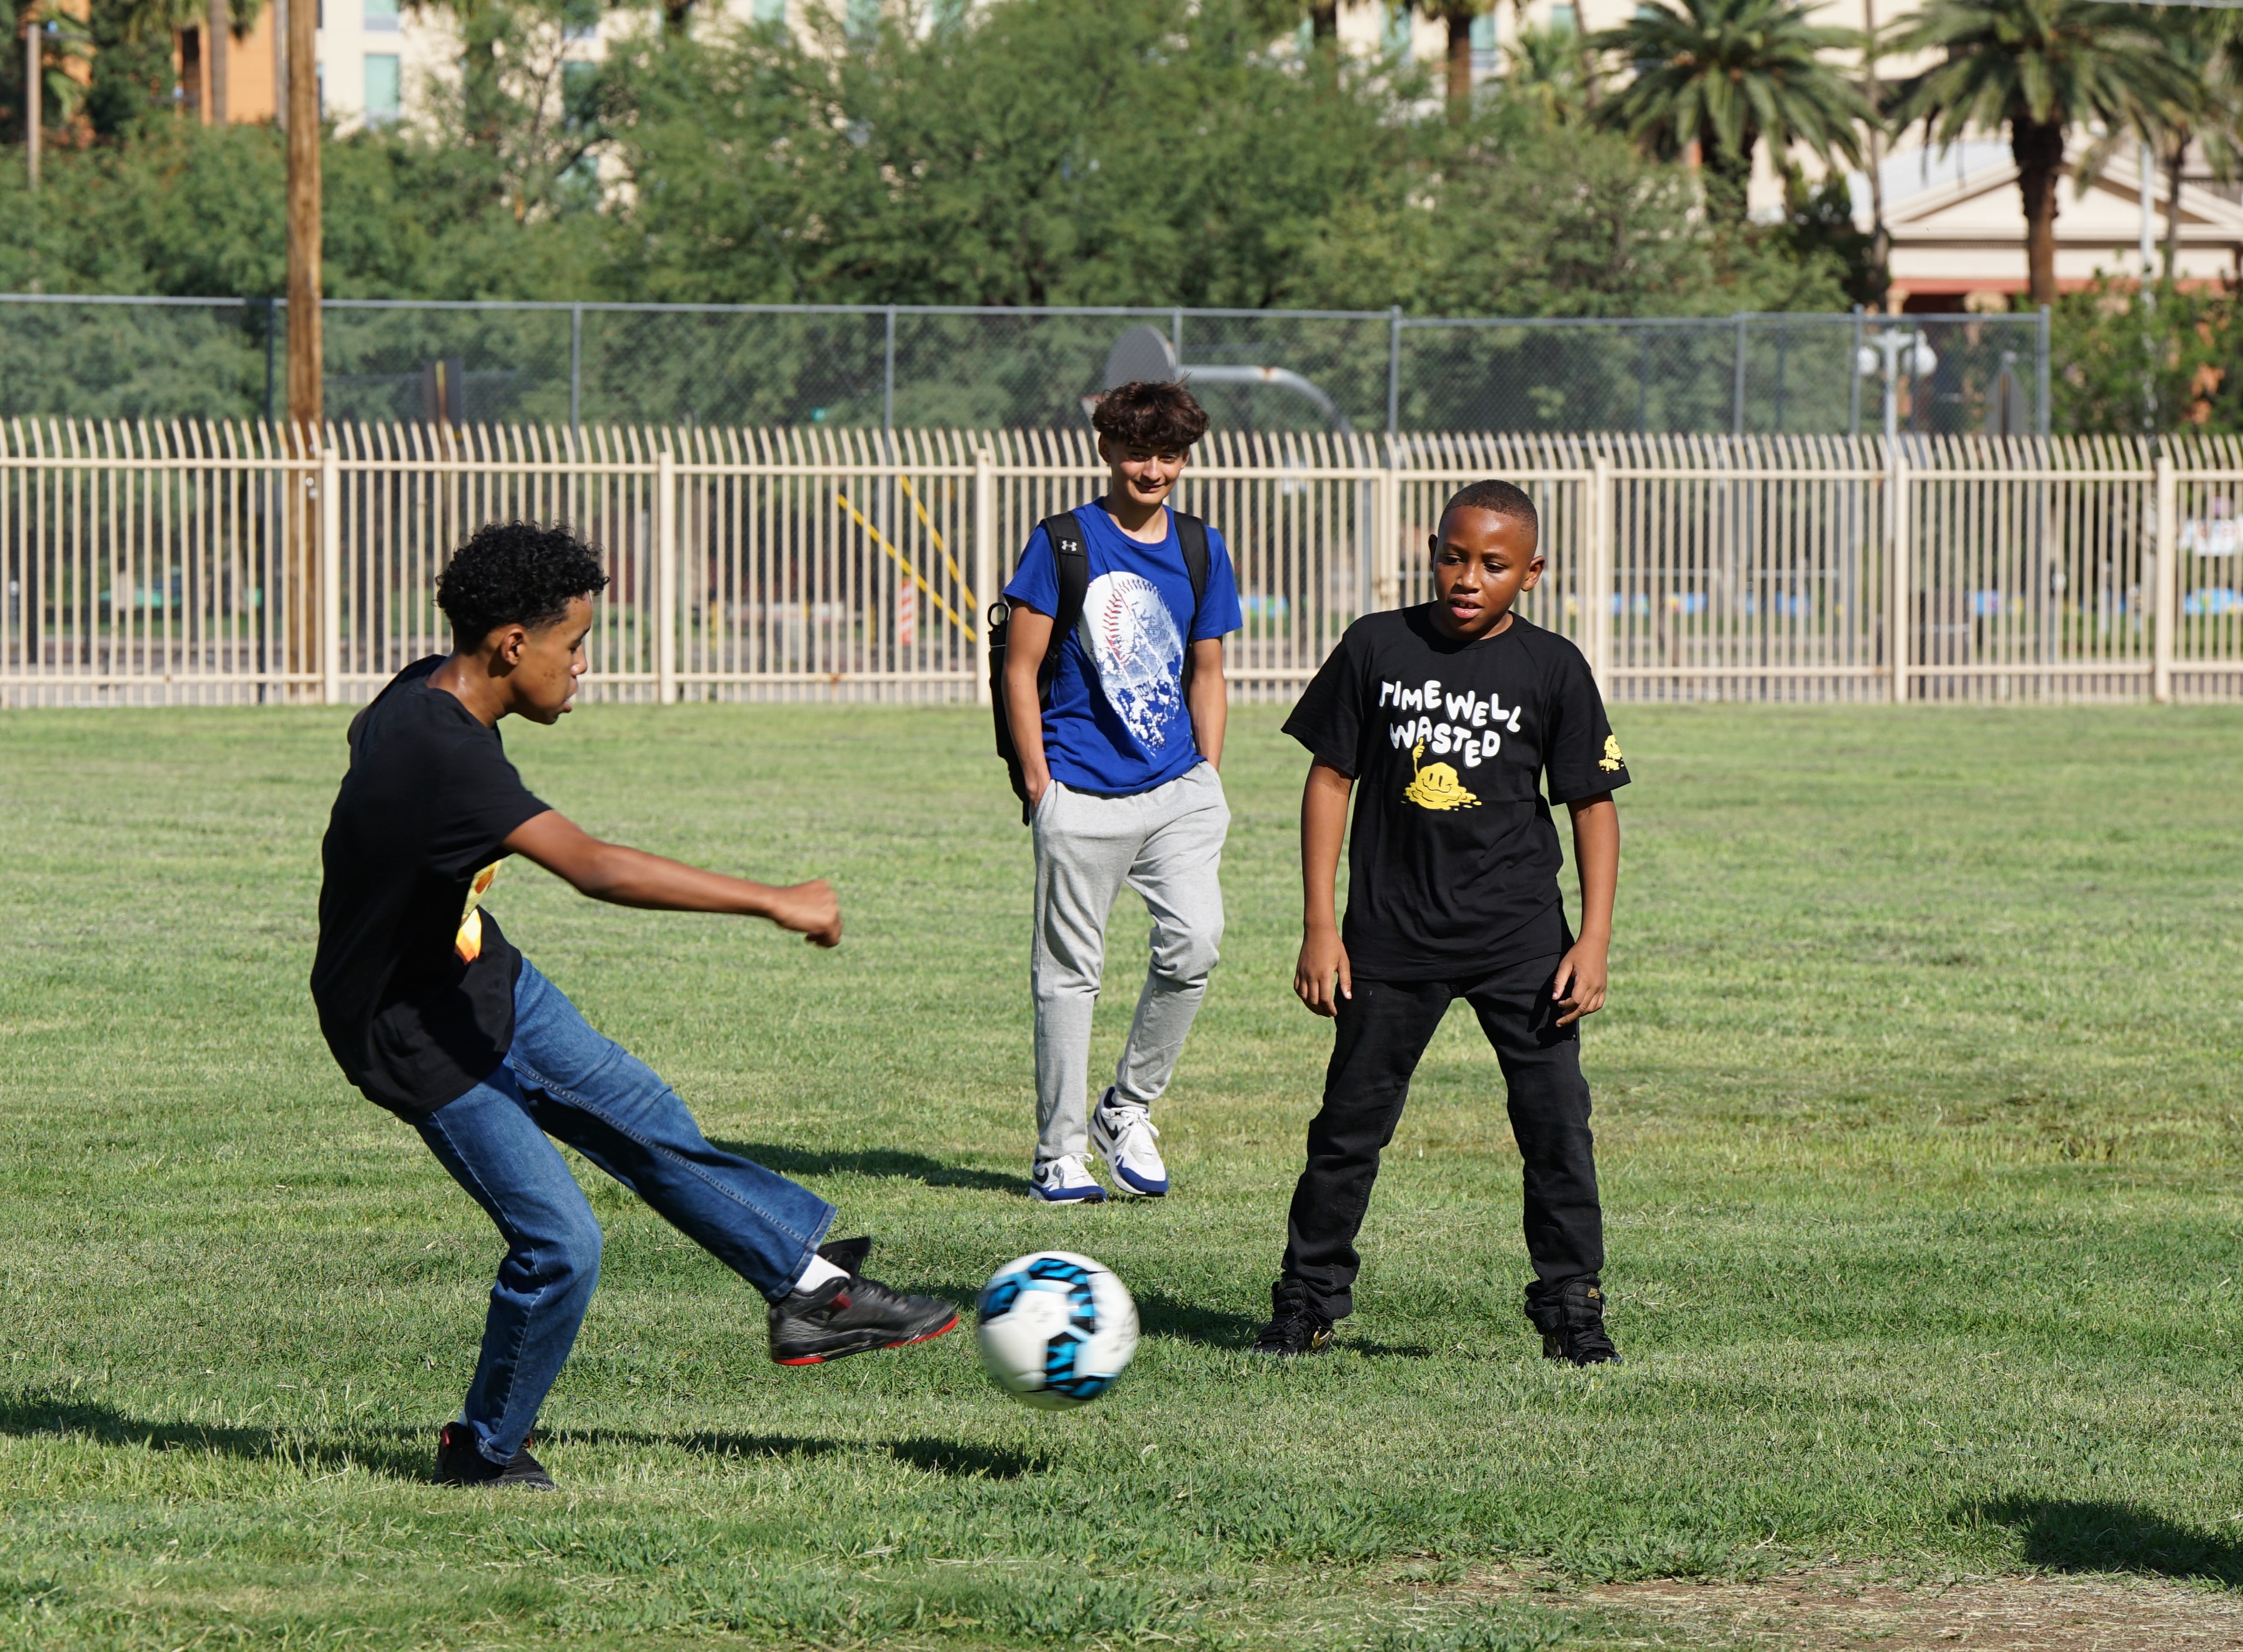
{"x":1166,"y":844}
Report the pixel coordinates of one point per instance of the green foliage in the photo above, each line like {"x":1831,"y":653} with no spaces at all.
{"x":1918,"y":1156}
{"x":1512,"y":216}
{"x":1036,"y":151}
{"x":2130,"y":363}
{"x":2061,"y":63}
{"x":1053,"y":153}
{"x":197,"y":211}
{"x":1725,"y":74}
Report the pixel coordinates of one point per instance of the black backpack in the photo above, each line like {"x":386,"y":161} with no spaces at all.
{"x":1073,"y":560}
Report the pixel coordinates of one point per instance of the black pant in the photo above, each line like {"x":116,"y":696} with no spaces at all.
{"x":1383,"y":1028}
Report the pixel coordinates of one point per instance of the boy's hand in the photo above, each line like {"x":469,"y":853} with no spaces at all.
{"x":812,"y":910}
{"x":1579,"y":988}
{"x":1322,"y":958}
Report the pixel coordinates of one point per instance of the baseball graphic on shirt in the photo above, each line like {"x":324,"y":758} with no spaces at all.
{"x":1128,"y":631}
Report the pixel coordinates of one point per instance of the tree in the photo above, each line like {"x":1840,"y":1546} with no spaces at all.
{"x":1725,"y":74}
{"x":1456,"y":16}
{"x":2039,"y":67}
{"x":1546,"y":70}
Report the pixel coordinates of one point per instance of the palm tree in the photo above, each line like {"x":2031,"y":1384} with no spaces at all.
{"x":1456,"y":16}
{"x":2040,"y":67}
{"x":1544,"y":70}
{"x":1725,"y":74}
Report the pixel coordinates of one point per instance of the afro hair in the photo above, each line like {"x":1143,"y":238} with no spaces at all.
{"x":515,"y":574}
{"x":1160,"y":415}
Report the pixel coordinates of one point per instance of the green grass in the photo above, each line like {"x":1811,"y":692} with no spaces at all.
{"x":1916,"y":1109}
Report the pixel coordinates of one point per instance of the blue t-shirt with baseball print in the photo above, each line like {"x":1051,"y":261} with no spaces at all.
{"x":1116,"y":723}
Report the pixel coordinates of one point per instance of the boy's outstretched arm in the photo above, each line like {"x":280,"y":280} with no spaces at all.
{"x":1579,"y":988}
{"x":633,"y":877}
{"x":1324,"y":827}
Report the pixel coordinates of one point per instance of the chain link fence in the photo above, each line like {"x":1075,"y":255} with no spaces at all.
{"x":927,"y":368}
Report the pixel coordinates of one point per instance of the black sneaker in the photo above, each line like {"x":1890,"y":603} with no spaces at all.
{"x":459,"y":1462}
{"x":854,"y":1315}
{"x":1572,"y":1322}
{"x":1297,"y":1325}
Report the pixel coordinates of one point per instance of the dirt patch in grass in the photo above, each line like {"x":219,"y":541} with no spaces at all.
{"x":1818,"y":1609}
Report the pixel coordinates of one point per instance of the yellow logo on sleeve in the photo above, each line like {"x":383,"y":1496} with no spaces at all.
{"x":1438,"y":787}
{"x":468,"y":943}
{"x":1612,"y":760}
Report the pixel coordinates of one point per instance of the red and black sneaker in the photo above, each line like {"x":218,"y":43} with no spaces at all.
{"x":854,"y":1315}
{"x":459,"y":1461}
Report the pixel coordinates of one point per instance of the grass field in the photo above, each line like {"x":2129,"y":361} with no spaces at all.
{"x":1917,"y":1121}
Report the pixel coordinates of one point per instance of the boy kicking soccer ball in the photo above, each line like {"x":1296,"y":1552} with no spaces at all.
{"x":433,"y":1015}
{"x":1445,"y":718}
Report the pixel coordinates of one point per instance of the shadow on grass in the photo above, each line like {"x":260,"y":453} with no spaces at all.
{"x":2066,"y":1535}
{"x":881,"y":1163}
{"x":956,"y":1462}
{"x":397,"y":1453}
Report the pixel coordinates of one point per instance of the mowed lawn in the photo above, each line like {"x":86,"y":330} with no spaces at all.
{"x":1917,"y":1106}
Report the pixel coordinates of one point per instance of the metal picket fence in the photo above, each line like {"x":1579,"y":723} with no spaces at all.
{"x":236,"y":563}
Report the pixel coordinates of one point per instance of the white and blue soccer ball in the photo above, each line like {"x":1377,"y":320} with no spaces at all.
{"x":1056,"y":1329}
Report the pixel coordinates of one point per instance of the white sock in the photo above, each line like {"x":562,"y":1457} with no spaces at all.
{"x":818,"y":1272}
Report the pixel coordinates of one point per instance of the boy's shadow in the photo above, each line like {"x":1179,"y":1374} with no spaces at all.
{"x":2068,"y":1536}
{"x":396,"y":1454}
{"x":880,"y":1162}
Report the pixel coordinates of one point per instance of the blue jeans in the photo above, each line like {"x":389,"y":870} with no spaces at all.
{"x":562,"y":1079}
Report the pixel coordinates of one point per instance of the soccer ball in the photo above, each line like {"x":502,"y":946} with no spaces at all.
{"x":1056,"y":1329}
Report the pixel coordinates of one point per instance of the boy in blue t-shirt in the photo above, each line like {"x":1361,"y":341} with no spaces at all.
{"x":1120,"y":763}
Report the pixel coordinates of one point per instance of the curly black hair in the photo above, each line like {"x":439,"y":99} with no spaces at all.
{"x":1161,"y":416}
{"x":1504,"y":498}
{"x":515,"y":574}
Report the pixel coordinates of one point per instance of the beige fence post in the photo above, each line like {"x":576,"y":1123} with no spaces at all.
{"x":1603,"y":519}
{"x":985,"y":556}
{"x":1386,"y":543}
{"x":2166,"y":575}
{"x":1897,"y":629}
{"x":331,"y":571}
{"x":666,"y":619}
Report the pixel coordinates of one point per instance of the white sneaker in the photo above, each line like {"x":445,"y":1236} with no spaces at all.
{"x":1065,"y":1181}
{"x":1123,"y":1136}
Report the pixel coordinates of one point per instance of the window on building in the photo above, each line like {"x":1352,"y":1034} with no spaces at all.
{"x":863,"y":19}
{"x":1399,"y":31}
{"x":1565,"y":19}
{"x":385,"y":89}
{"x":580,"y":19}
{"x":770,"y":10}
{"x":1482,"y":32}
{"x":379,"y":17}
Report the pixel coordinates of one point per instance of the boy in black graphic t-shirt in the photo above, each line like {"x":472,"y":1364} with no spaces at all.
{"x":432,"y":1013}
{"x":1446,"y":720}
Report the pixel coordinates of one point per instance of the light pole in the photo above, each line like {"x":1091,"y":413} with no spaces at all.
{"x":1885,"y":352}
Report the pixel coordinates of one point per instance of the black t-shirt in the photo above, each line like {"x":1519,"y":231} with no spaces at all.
{"x":414,"y":981}
{"x":1452,"y":869}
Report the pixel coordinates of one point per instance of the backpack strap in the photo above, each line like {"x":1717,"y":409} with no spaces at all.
{"x":1191,"y":539}
{"x":1071,"y":560}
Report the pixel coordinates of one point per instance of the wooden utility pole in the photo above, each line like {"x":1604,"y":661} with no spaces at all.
{"x":303,"y":402}
{"x":304,"y":408}
{"x":35,"y":65}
